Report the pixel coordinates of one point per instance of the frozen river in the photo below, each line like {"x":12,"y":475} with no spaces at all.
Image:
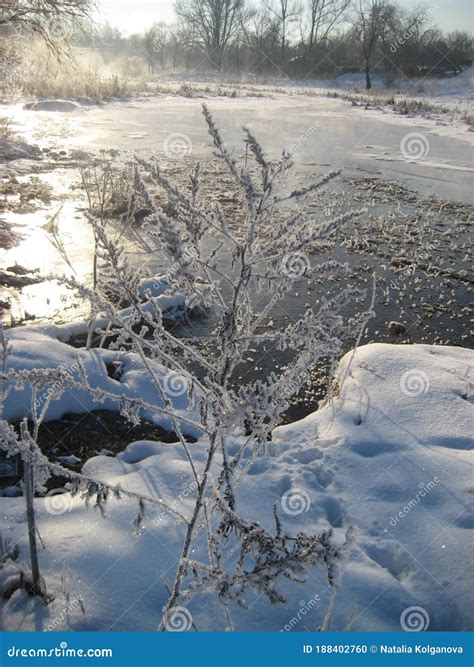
{"x":322,"y":133}
{"x":431,"y":161}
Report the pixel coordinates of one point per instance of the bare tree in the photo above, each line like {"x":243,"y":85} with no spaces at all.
{"x":214,"y":23}
{"x":286,"y":12}
{"x":162,"y":41}
{"x":151,"y":49}
{"x":183,"y":45}
{"x":459,"y":44}
{"x":368,"y":22}
{"x":394,"y":22}
{"x":261,"y":33}
{"x":45,"y":18}
{"x":323,"y":16}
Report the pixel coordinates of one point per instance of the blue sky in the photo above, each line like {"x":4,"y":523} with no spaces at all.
{"x":136,"y":15}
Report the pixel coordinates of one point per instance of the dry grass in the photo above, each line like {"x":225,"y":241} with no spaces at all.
{"x":40,"y":74}
{"x":459,"y":110}
{"x":85,"y":74}
{"x":5,"y":129}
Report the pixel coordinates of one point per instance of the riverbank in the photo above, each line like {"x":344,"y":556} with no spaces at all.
{"x":387,"y":459}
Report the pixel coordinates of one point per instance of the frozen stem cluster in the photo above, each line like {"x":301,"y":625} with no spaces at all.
{"x":240,"y":269}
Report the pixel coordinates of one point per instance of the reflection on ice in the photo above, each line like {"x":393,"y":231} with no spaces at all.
{"x":55,"y":240}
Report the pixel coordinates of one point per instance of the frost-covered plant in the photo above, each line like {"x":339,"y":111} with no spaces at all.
{"x":106,"y":185}
{"x":4,"y":127}
{"x":9,"y":65}
{"x":229,"y":266}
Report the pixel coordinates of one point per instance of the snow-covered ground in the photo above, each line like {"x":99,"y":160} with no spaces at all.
{"x":118,"y":374}
{"x":387,"y":460}
{"x":460,"y":86}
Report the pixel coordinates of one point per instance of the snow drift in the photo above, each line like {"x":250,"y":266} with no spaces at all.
{"x":388,"y":457}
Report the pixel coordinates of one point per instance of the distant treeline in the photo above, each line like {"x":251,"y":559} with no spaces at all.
{"x":309,"y":38}
{"x":288,"y":38}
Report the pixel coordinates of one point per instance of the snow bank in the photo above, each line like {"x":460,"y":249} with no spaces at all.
{"x":460,"y":86}
{"x":155,"y":291}
{"x":63,"y":106}
{"x":120,"y":373}
{"x":389,"y":456}
{"x":392,"y":457}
